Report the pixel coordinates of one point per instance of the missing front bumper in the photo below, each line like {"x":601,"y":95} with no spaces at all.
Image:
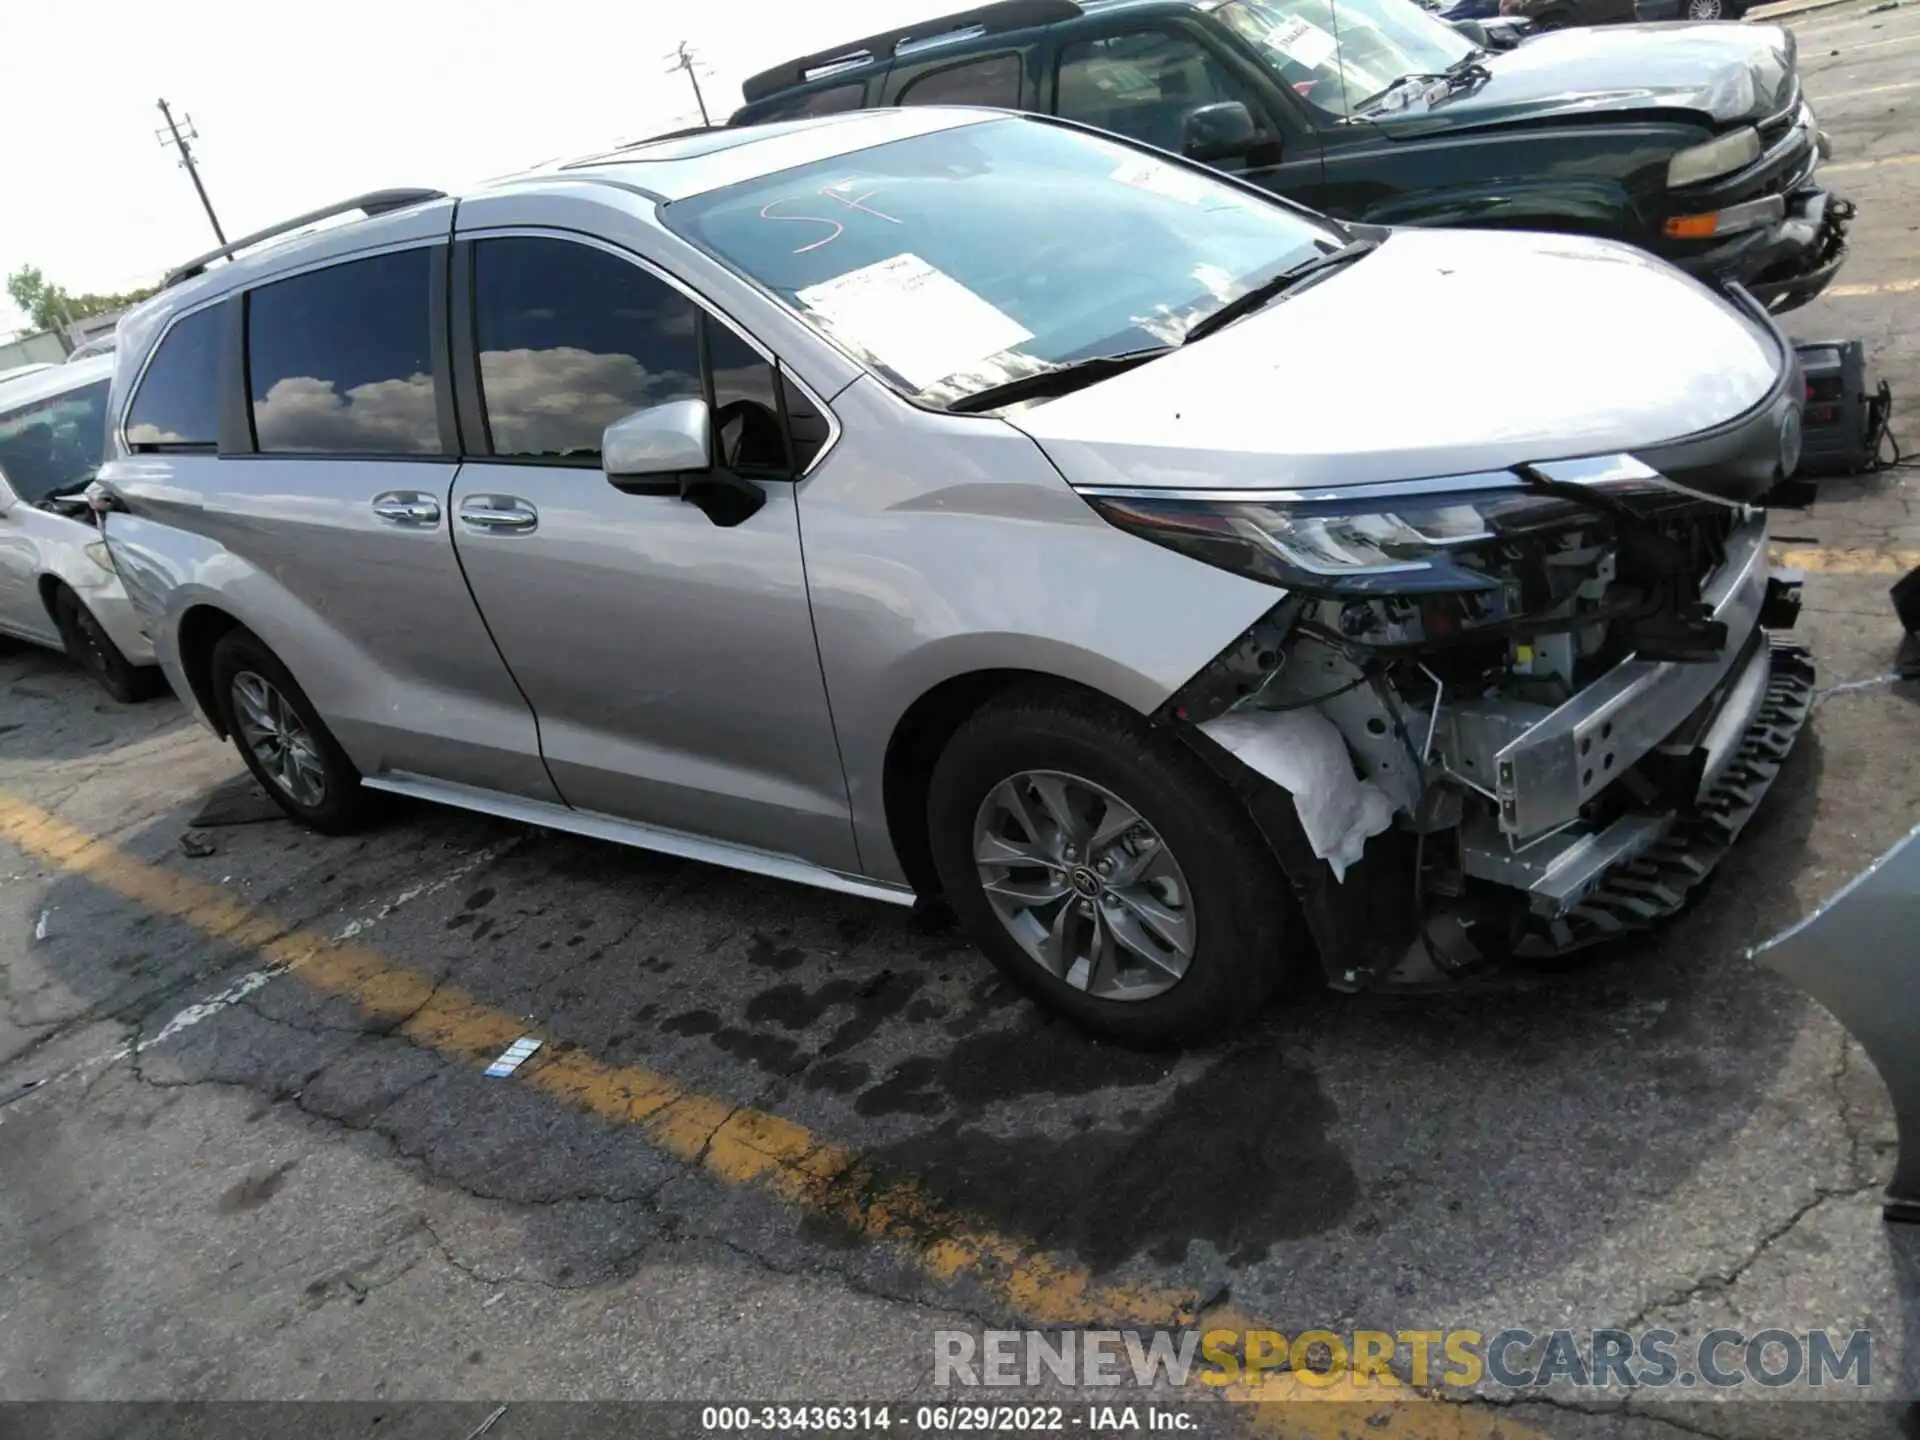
{"x":1638,"y":870}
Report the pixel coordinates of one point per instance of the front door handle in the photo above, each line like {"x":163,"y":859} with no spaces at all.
{"x":498,"y":512}
{"x":407,"y":507}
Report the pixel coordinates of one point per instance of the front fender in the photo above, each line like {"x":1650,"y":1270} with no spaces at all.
{"x":1595,"y":207}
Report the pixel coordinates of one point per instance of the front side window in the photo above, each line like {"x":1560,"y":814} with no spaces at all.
{"x":1346,"y":57}
{"x":177,"y":406}
{"x":993,"y":81}
{"x":339,"y":361}
{"x":1143,"y":85}
{"x":571,"y":339}
{"x":53,"y":447}
{"x":963,"y":258}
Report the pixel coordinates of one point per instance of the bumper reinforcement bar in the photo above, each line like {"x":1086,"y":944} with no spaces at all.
{"x":1655,"y":882}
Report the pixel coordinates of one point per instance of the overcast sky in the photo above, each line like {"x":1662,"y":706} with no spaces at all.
{"x":302,"y":104}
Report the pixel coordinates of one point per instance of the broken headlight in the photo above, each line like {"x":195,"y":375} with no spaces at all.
{"x":1369,"y":540}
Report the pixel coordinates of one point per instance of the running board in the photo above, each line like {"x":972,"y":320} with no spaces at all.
{"x":640,"y":837}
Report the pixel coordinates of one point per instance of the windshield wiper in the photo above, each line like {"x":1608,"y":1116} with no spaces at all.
{"x":1464,"y":72}
{"x":1274,"y":287}
{"x":1061,"y":379}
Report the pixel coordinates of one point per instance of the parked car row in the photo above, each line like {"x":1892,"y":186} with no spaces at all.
{"x":1694,"y":143}
{"x":958,"y":506}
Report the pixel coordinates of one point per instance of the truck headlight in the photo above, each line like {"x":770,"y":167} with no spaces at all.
{"x":1368,"y":540}
{"x":1717,"y":157}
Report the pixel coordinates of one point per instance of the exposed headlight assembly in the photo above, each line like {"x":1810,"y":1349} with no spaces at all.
{"x":1717,"y":157}
{"x":1369,"y":540}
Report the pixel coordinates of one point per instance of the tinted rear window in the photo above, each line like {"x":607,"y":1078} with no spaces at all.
{"x":177,"y":404}
{"x":834,"y":101}
{"x":992,"y":81}
{"x":339,"y":360}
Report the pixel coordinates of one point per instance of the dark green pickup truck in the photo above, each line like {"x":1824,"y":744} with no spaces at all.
{"x":1692,"y":141}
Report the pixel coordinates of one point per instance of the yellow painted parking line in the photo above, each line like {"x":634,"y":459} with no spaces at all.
{"x":1871,"y":164}
{"x":1884,"y":287}
{"x":1870,"y":90}
{"x":1848,"y":562}
{"x":742,"y":1146}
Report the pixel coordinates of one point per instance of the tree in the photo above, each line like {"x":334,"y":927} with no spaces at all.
{"x":52,"y":308}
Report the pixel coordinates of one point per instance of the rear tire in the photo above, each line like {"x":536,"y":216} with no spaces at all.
{"x":283,"y":740}
{"x":1185,"y":929}
{"x":90,"y":647}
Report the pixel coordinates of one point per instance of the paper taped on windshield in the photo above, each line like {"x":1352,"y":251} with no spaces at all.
{"x":918,"y":321}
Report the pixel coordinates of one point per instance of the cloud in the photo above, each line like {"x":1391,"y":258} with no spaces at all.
{"x":383,"y":417}
{"x":550,"y":402}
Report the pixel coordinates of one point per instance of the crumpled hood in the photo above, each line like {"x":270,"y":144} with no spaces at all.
{"x":1727,"y":73}
{"x":1444,"y":352}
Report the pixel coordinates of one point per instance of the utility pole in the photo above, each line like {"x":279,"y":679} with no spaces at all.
{"x":172,"y":136}
{"x":683,"y":60}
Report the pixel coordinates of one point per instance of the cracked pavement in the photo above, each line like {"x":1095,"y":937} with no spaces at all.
{"x":287,"y":1196}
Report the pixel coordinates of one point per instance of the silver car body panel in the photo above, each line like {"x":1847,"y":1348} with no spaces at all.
{"x":38,"y":546}
{"x":946,"y":545}
{"x":1855,"y":955}
{"x":1312,"y":391}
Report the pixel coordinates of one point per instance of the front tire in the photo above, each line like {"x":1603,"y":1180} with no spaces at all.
{"x":282,"y":738}
{"x":90,"y":647}
{"x":1106,"y":870}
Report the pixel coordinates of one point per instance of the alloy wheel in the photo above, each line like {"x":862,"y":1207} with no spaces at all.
{"x":1084,"y":885}
{"x":278,"y":738}
{"x":1704,"y":9}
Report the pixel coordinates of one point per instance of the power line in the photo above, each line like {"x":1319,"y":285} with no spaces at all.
{"x":172,"y":135}
{"x":683,"y":59}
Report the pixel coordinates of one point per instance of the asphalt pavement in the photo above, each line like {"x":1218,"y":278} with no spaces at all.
{"x":775,"y":1142}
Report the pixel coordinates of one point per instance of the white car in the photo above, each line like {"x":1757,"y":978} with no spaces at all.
{"x":57,"y":583}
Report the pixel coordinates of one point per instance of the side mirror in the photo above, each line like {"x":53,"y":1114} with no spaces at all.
{"x":668,"y":450}
{"x":660,"y":441}
{"x":1222,"y":131}
{"x":1472,"y":30}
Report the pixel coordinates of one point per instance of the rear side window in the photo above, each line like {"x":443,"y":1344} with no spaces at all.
{"x":177,"y":405}
{"x":339,"y":361}
{"x":53,"y":447}
{"x":571,"y":339}
{"x":992,"y":81}
{"x":1143,"y":85}
{"x":834,"y":100}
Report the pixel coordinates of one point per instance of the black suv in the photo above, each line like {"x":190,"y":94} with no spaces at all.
{"x":1690,"y":141}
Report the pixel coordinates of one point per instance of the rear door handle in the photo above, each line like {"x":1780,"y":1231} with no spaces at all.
{"x":407,"y":507}
{"x":498,"y":512}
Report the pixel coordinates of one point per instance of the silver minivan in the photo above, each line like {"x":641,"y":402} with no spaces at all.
{"x":957,"y":507}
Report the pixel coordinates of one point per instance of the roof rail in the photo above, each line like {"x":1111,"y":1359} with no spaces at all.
{"x":984,"y":19}
{"x":374,"y":202}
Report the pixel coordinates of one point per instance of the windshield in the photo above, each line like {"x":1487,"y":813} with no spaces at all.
{"x":1343,"y":56}
{"x":54,"y":446}
{"x":962,"y":259}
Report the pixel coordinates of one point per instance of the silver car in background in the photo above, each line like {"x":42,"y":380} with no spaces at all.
{"x":57,"y":585}
{"x":952,"y":506}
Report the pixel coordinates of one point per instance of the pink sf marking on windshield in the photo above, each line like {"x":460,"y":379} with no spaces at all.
{"x":855,"y":202}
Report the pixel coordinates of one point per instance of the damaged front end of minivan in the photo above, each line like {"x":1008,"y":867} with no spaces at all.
{"x":1497,"y":715}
